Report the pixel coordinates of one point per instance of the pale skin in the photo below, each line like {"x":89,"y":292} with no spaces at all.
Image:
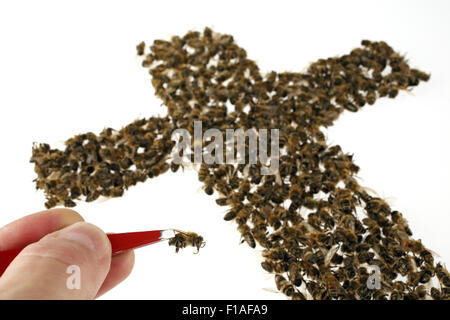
{"x":54,"y":240}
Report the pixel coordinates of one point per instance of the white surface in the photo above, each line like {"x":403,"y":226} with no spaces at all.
{"x":71,"y":68}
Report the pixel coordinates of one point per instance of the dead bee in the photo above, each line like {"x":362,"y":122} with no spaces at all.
{"x":276,"y":254}
{"x":344,"y":201}
{"x":333,"y":285}
{"x":383,"y":90}
{"x":414,"y":246}
{"x":392,"y":93}
{"x":92,"y":196}
{"x":203,"y":172}
{"x":140,"y":48}
{"x":422,"y":76}
{"x":295,"y":275}
{"x":284,"y":285}
{"x":247,"y":236}
{"x":272,"y":266}
{"x":183,"y":239}
{"x":272,"y":216}
{"x":435,"y":294}
{"x":209,"y":184}
{"x":379,"y":295}
{"x":315,"y":290}
{"x":223,"y":201}
{"x":158,"y":170}
{"x":223,"y":187}
{"x":51,"y":202}
{"x":443,"y":275}
{"x":230,"y":215}
{"x":244,"y":189}
{"x":174,"y":166}
{"x":297,"y":295}
{"x":371,"y":97}
{"x":146,"y":63}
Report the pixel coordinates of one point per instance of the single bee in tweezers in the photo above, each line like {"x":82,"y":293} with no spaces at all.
{"x":182,"y":239}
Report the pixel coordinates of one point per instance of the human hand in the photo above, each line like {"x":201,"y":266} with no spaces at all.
{"x":54,"y":240}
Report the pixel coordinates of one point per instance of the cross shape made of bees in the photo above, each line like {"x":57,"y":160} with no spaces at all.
{"x":324,"y":236}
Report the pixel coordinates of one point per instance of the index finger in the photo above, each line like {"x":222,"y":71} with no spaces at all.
{"x":32,"y":228}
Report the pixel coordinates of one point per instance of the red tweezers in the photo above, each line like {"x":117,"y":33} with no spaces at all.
{"x":119,"y":242}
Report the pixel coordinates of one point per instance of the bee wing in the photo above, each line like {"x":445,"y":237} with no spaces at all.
{"x":434,"y":253}
{"x":413,"y":264}
{"x":278,"y":179}
{"x":61,"y":145}
{"x":268,"y":276}
{"x":370,"y":191}
{"x":390,"y":201}
{"x":330,"y":254}
{"x":402,"y":234}
{"x":246,"y":171}
{"x":102,"y":199}
{"x":271,"y":290}
{"x":308,"y":226}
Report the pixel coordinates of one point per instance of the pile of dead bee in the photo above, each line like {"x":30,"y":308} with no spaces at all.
{"x":321,"y":232}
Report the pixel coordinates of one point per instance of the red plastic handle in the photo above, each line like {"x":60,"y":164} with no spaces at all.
{"x":6,"y":257}
{"x":119,"y":242}
{"x":132,"y":240}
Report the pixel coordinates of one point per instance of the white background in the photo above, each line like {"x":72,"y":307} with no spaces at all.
{"x":71,"y":68}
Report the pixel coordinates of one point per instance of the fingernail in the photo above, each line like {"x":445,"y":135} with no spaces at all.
{"x":65,"y":217}
{"x":88,"y":236}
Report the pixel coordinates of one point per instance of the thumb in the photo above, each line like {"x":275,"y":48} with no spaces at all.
{"x":71,"y":263}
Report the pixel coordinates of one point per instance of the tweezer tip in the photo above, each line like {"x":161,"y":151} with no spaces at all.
{"x":166,"y":234}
